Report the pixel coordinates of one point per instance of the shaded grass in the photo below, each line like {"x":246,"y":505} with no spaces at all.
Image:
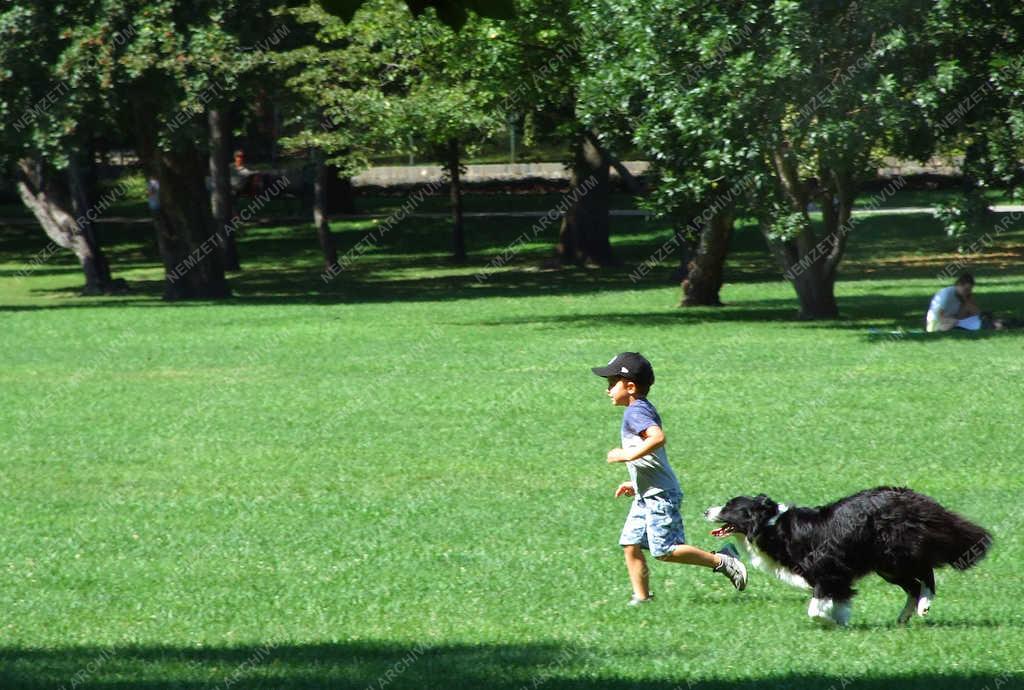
{"x":499,"y":666}
{"x":308,"y":484}
{"x":411,"y":262}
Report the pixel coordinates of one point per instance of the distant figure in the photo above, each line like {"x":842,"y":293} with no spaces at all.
{"x":240,"y":162}
{"x":153,"y":194}
{"x":244,"y":182}
{"x":954,"y":307}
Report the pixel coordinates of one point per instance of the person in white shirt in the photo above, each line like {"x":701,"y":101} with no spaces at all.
{"x":954,"y":307}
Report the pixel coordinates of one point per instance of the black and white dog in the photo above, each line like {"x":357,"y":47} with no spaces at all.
{"x":895,"y":532}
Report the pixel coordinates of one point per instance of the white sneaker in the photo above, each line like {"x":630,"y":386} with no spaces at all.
{"x":732,"y":567}
{"x":637,"y":601}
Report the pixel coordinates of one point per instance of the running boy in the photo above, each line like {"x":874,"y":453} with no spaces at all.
{"x":654,"y":522}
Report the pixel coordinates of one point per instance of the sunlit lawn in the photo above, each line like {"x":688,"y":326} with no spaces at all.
{"x":397,"y":479}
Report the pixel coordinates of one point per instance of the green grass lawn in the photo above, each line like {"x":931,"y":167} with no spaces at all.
{"x":398,"y":480}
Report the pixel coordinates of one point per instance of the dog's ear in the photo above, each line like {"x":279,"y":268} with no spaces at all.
{"x":762,"y":499}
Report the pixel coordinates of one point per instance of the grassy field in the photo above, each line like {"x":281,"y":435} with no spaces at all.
{"x":397,"y":479}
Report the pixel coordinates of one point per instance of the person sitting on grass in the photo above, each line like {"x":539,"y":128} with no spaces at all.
{"x":954,"y":307}
{"x":653,"y":522}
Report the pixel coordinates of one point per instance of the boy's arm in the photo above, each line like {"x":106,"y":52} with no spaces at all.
{"x":654,"y":438}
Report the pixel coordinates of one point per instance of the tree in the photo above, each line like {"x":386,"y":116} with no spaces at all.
{"x":448,"y":89}
{"x":215,"y":56}
{"x":53,"y":115}
{"x":793,"y":115}
{"x":974,"y":103}
{"x":618,"y":88}
{"x":344,"y":79}
{"x":164,"y":79}
{"x":541,"y":71}
{"x":236,"y":44}
{"x":585,"y":235}
{"x":450,"y":98}
{"x":383,"y":79}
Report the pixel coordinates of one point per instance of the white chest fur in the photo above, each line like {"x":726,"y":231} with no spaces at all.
{"x":764,"y":562}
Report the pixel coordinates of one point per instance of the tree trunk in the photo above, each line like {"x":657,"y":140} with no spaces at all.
{"x":629,"y":181}
{"x":189,"y":229}
{"x":808,"y":261}
{"x":186,"y":235}
{"x":220,"y":183}
{"x":455,"y":190}
{"x":323,"y":227}
{"x":705,"y":268}
{"x":340,"y":193}
{"x":584,"y":235}
{"x":809,"y":270}
{"x":82,"y":185}
{"x":44,"y":191}
{"x":816,"y":293}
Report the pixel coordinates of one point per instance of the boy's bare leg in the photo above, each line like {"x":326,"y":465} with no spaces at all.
{"x":691,"y":555}
{"x":638,"y":572}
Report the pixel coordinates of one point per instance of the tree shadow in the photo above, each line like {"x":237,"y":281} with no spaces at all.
{"x":881,"y":317}
{"x":920,"y":337}
{"x":306,"y":285}
{"x":361,"y":665}
{"x":29,"y":271}
{"x":281,"y":265}
{"x":865,"y":313}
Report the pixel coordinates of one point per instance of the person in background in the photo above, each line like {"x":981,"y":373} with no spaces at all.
{"x":954,"y":307}
{"x":153,"y":194}
{"x":244,"y":181}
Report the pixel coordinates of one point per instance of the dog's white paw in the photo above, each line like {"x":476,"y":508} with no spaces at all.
{"x":924,"y":603}
{"x":828,"y":611}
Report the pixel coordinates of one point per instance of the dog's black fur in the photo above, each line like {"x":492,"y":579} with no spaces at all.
{"x":895,"y":532}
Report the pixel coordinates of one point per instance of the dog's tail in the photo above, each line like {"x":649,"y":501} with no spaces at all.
{"x":957,"y":541}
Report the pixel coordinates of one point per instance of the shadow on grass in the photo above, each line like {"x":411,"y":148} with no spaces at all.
{"x":378,"y":665}
{"x":305,"y":286}
{"x":866,"y":313}
{"x":877,"y":315}
{"x":281,"y":266}
{"x":920,"y":337}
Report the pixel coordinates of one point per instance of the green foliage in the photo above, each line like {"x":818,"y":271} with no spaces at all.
{"x":109,"y":63}
{"x":384,"y":79}
{"x":345,"y":79}
{"x":134,"y":185}
{"x":975,"y":98}
{"x":711,"y":91}
{"x":964,"y":217}
{"x":57,"y":64}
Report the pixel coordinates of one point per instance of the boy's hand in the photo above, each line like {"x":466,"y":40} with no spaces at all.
{"x":617,"y":455}
{"x":625,"y":489}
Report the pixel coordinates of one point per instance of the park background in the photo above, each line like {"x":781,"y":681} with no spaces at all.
{"x":310,"y":422}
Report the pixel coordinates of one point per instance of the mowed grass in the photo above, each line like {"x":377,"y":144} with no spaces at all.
{"x":397,"y":479}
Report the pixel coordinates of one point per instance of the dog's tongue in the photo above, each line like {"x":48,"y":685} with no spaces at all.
{"x":721,"y":531}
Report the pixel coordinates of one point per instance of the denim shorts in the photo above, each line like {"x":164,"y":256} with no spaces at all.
{"x":654,"y":523}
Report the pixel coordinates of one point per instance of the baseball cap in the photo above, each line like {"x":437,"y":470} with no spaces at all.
{"x":631,"y":366}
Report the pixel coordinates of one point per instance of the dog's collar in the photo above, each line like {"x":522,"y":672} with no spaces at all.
{"x":775,"y":518}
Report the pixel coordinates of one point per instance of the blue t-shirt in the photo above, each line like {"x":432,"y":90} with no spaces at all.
{"x":650,"y":473}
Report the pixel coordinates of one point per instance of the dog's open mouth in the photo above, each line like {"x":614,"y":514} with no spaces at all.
{"x":723,"y":531}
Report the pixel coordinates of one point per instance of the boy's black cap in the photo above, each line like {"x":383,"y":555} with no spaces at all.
{"x":631,"y":366}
